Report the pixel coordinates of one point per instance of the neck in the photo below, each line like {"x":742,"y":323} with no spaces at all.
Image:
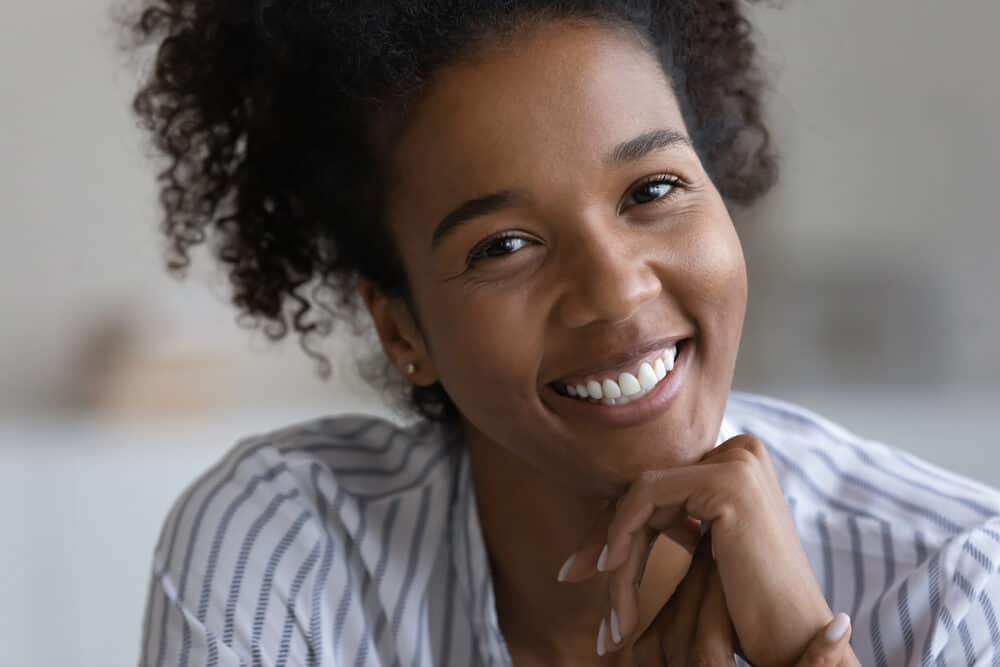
{"x":530,"y":526}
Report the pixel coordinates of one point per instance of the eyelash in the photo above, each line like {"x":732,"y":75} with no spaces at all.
{"x":675,"y":182}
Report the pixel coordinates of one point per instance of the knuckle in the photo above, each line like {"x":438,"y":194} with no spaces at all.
{"x":741,"y":475}
{"x":754,"y":445}
{"x":719,"y":502}
{"x":744,"y":456}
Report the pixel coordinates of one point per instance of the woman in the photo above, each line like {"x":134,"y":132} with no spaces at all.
{"x":531,"y":201}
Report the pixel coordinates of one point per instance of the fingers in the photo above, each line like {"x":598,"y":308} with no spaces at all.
{"x":737,"y":446}
{"x":687,"y":532}
{"x":581,"y":564}
{"x":682,"y":611}
{"x":729,"y":476}
{"x":830,"y":645}
{"x":623,"y":589}
{"x":749,"y":443}
{"x":665,"y":493}
{"x":714,"y":641}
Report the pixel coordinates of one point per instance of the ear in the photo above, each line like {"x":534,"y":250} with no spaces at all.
{"x":402,"y":341}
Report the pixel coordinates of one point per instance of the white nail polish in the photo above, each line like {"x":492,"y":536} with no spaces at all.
{"x":602,"y":560}
{"x":602,"y":638}
{"x":616,"y":633}
{"x":565,"y":567}
{"x":837,"y":627}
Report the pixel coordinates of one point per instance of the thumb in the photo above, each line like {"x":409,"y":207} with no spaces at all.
{"x":828,"y":646}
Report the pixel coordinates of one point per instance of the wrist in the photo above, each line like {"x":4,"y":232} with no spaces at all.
{"x":802,"y":625}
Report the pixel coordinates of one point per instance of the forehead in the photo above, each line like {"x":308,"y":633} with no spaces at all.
{"x":558,"y":94}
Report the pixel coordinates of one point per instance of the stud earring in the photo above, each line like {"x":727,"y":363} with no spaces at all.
{"x":411,"y":368}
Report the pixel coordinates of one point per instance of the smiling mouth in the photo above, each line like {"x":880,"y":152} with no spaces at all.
{"x":627,"y":386}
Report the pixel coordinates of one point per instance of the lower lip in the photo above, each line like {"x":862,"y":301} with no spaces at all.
{"x":633,"y":412}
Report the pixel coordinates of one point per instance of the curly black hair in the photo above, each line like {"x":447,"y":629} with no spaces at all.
{"x":275,"y":117}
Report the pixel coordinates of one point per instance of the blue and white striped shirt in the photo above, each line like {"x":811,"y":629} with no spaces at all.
{"x":350,"y":540}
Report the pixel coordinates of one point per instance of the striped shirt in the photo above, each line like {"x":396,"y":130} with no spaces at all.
{"x":351,"y":540}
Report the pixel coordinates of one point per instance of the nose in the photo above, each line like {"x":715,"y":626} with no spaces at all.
{"x":608,"y":277}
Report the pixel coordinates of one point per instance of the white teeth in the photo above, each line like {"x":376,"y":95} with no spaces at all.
{"x":611,"y":389}
{"x":594,"y":389}
{"x":629,"y":384}
{"x":628,"y":387}
{"x":668,"y":357}
{"x":647,"y":378}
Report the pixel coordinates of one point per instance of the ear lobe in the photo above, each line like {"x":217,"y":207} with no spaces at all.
{"x":401,"y":340}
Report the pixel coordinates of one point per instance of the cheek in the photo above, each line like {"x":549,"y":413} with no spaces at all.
{"x":715,"y":271}
{"x":486,"y":347}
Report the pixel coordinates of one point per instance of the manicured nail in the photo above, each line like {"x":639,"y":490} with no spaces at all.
{"x":602,"y":560}
{"x":602,"y":637}
{"x":616,"y":633}
{"x":565,"y":567}
{"x":838,"y":626}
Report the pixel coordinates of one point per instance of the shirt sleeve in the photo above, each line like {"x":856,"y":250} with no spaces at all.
{"x":237,"y":570}
{"x":963,"y":588}
{"x":178,"y":637}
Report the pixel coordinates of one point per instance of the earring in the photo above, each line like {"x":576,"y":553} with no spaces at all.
{"x":411,"y":368}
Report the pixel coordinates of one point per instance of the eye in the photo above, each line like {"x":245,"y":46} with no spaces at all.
{"x":659,"y":188}
{"x":496,"y":246}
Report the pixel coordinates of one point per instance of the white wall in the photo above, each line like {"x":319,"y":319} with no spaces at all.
{"x":874,"y":261}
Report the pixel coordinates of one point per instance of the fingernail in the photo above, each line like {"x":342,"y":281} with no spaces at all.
{"x":838,"y":626}
{"x":602,"y":559}
{"x":602,"y":637}
{"x":616,"y":633}
{"x":564,"y":570}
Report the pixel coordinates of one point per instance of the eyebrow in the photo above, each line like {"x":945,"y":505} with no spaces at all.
{"x":646,"y":143}
{"x":627,"y":151}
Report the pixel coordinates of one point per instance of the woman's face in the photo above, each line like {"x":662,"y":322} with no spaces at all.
{"x":595,"y":260}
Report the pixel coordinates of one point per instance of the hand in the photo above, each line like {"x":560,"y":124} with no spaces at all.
{"x":825,"y":651}
{"x":771,"y":594}
{"x":694,"y":627}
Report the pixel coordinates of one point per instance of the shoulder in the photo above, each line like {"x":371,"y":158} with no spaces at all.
{"x":830,"y":468}
{"x":268,"y":539}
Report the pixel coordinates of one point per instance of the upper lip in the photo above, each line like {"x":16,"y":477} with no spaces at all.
{"x":613,"y":364}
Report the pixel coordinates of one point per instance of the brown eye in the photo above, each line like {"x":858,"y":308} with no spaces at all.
{"x":657,"y":188}
{"x":497,"y":246}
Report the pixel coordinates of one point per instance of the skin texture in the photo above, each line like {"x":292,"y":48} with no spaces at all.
{"x":601,"y":265}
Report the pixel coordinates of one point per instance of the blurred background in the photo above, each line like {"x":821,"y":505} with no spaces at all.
{"x":872,"y":267}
